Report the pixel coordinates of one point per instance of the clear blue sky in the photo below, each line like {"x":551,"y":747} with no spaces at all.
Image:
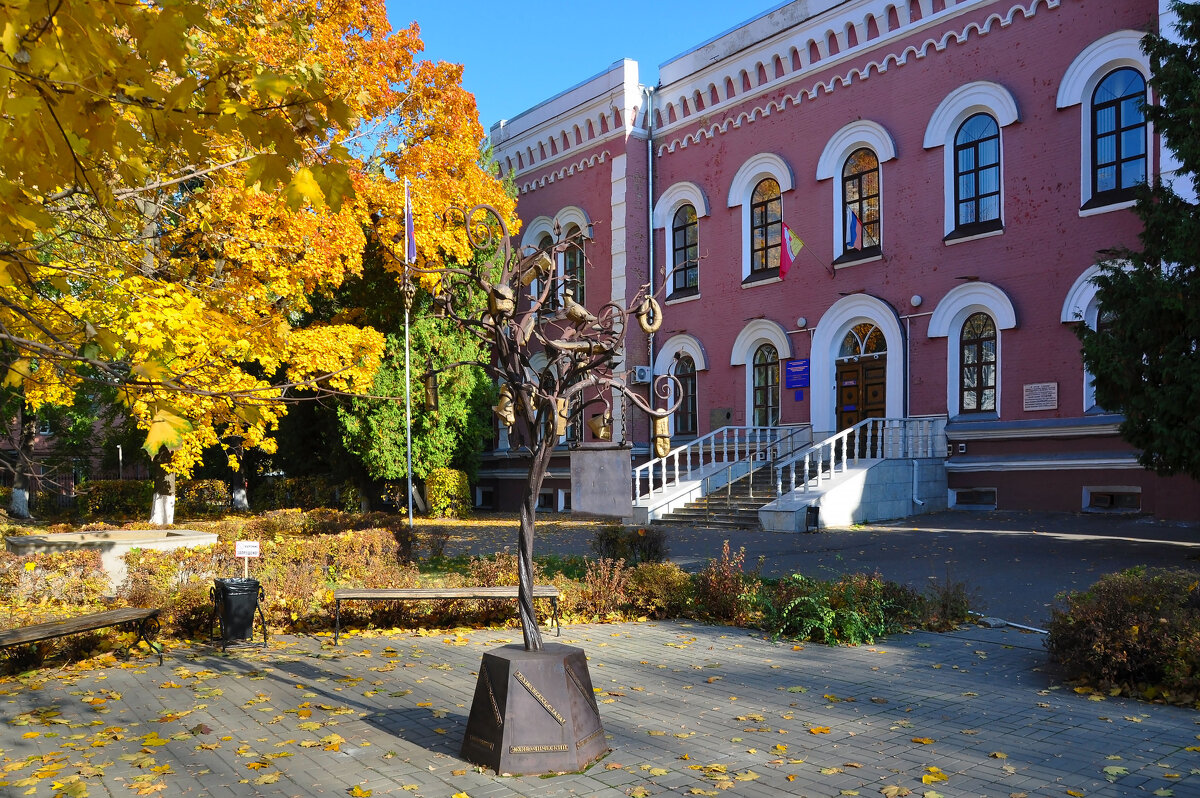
{"x":518,"y":54}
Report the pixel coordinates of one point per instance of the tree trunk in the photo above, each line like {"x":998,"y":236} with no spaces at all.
{"x":162,"y":509}
{"x":23,"y":476}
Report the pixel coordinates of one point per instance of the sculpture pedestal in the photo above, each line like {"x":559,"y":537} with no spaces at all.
{"x":534,"y":712}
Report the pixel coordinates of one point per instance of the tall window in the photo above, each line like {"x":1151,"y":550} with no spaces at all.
{"x":685,"y":259}
{"x":977,"y":175}
{"x":766,"y":386}
{"x":573,"y":265}
{"x":685,"y":414}
{"x":1118,"y":136}
{"x":977,"y":365}
{"x":766,"y":227}
{"x":860,"y":197}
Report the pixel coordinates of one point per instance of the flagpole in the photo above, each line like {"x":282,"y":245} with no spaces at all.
{"x":409,"y":291}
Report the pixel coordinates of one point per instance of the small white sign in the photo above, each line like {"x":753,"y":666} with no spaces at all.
{"x":246,"y":548}
{"x":1041,"y":396}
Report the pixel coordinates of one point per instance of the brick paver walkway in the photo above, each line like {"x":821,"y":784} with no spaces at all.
{"x":686,"y":707}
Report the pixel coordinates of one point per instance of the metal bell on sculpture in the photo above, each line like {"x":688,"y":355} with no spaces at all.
{"x":662,"y":437}
{"x":601,"y":426}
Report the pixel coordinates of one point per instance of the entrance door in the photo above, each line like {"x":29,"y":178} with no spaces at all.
{"x":861,"y":376}
{"x":861,"y":390}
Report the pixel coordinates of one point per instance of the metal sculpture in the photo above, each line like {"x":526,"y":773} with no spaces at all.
{"x":518,"y":305}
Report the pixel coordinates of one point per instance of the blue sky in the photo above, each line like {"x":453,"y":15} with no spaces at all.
{"x":517,"y":54}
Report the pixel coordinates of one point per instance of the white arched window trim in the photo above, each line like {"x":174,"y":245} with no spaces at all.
{"x":827,"y":340}
{"x":854,"y":136}
{"x":674,"y":198}
{"x":541,"y":226}
{"x":1120,"y":49}
{"x":980,"y":97}
{"x":752,"y":172}
{"x":664,"y":363}
{"x":947,"y":321}
{"x":753,"y":335}
{"x":1082,"y":305}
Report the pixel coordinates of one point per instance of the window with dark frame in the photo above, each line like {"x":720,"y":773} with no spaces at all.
{"x":977,"y":176}
{"x":685,"y":414}
{"x":685,"y":258}
{"x":1118,"y":137}
{"x":573,"y":265}
{"x":860,"y":197}
{"x":977,"y":365}
{"x":766,"y":386}
{"x":766,"y":227}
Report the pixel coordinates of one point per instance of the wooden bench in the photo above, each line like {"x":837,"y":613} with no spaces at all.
{"x":143,"y":620}
{"x":427,"y":593}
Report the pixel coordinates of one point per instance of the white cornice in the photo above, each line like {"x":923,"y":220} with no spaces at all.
{"x":570,"y":129}
{"x":1066,"y":463}
{"x":837,"y":24}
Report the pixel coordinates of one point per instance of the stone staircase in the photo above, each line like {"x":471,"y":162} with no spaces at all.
{"x":734,"y":507}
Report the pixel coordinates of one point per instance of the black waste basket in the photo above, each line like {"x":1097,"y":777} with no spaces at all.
{"x":235,"y":601}
{"x":812,"y":518}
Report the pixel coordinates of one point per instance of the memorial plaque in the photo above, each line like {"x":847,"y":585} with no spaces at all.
{"x":534,"y":712}
{"x":1041,"y":396}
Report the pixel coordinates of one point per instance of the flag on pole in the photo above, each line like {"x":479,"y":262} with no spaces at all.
{"x":410,"y":236}
{"x":854,"y":230}
{"x":791,"y":248}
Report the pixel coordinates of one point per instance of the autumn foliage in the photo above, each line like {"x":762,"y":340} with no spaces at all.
{"x":179,"y":178}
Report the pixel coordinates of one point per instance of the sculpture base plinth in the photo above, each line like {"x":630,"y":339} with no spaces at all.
{"x":534,"y":712}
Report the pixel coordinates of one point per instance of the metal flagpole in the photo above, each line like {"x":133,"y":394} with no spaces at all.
{"x":410,"y":251}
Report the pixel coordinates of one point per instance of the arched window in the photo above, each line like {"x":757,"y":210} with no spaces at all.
{"x":1118,"y":136}
{"x":977,"y":365}
{"x":977,"y":176}
{"x":861,"y":340}
{"x":685,"y":414}
{"x":573,"y":265}
{"x":685,"y":258}
{"x":766,"y":227}
{"x":860,"y":198}
{"x":766,"y":386}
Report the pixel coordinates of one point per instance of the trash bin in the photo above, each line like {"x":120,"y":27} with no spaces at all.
{"x":812,"y":518}
{"x":235,"y":601}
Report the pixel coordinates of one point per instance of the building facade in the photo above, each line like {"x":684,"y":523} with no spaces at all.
{"x":870,"y":208}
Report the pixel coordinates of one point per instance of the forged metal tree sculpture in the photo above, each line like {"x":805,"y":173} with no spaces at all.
{"x":521,"y":307}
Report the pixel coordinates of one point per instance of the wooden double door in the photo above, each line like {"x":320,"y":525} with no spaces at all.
{"x":861,"y":389}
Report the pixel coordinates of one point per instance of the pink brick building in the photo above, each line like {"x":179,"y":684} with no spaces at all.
{"x":952,"y":169}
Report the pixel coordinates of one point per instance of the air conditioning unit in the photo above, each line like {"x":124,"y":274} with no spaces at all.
{"x":641,"y":374}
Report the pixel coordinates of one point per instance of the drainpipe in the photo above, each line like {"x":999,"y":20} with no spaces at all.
{"x":916,"y":501}
{"x":648,"y":95}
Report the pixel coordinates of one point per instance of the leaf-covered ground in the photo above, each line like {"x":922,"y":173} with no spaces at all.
{"x":688,"y":709}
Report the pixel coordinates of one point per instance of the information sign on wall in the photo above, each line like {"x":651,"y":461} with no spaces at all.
{"x":1041,"y":396}
{"x":795,"y":374}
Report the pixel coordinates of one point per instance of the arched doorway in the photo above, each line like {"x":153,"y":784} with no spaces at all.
{"x":861,"y":375}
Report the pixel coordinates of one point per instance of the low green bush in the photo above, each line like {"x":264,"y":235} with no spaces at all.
{"x":1137,"y":630}
{"x":724,"y":592}
{"x":852,"y":609}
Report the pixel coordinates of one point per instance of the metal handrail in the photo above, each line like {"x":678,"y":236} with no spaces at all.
{"x":749,"y":476}
{"x":872,"y":438}
{"x":725,"y":445}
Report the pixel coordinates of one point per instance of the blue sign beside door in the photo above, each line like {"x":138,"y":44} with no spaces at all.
{"x":795,"y":374}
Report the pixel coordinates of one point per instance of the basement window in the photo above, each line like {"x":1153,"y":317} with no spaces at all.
{"x":973,"y":498}
{"x":1112,"y":499}
{"x":485,"y":498}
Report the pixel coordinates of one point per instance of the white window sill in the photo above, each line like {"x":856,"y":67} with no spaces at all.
{"x":1116,"y":206}
{"x":952,"y":241}
{"x":848,"y":264}
{"x":681,"y":300}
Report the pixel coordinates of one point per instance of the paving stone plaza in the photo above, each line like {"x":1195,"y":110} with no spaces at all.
{"x":686,"y":708}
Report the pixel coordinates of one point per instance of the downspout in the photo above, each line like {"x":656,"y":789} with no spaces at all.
{"x":648,"y":94}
